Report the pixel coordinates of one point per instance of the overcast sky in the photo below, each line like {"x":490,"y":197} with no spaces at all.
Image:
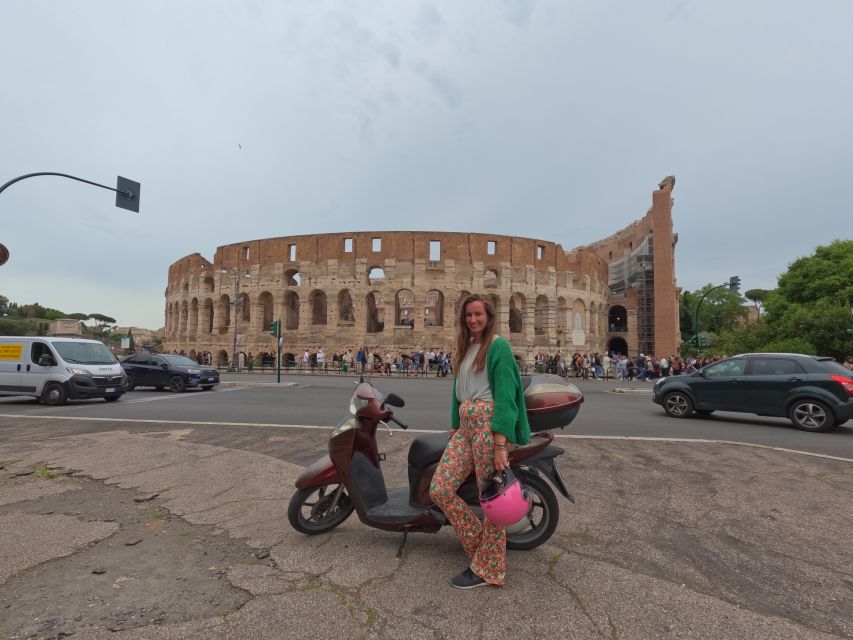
{"x":545,"y":119}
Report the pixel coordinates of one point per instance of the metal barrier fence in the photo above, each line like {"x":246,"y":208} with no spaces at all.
{"x":414,"y":371}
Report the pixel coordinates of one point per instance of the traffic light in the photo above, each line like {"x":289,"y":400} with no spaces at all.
{"x":275,"y":328}
{"x":734,"y":283}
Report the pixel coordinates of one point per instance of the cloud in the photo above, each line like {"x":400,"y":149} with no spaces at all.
{"x":518,"y":12}
{"x":429,"y":23}
{"x":449,"y":91}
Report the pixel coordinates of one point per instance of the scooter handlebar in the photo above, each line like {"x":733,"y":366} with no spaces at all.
{"x":398,"y":423}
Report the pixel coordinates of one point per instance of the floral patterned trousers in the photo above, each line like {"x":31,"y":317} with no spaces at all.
{"x":471,"y":449}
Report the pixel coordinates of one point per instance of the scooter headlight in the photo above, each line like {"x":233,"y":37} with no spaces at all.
{"x":357,"y":403}
{"x":344,"y":425}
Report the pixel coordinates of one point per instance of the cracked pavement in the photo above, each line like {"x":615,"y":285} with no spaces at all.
{"x":667,"y":540}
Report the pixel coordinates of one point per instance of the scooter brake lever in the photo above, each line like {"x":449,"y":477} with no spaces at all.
{"x":385,"y":424}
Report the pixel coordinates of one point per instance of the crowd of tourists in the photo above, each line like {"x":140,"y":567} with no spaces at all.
{"x":618,"y":366}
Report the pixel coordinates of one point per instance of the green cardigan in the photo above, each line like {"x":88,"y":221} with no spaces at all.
{"x":510,"y":417}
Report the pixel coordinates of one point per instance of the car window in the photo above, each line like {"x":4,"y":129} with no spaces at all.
{"x":774,"y":367}
{"x":832,"y":366}
{"x":38,"y":350}
{"x":156,"y":362}
{"x":724,"y":368}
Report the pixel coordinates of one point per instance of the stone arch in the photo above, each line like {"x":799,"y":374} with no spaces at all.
{"x":208,"y":315}
{"x":222,"y":358}
{"x":317,"y":300}
{"x":193,"y":328}
{"x":578,"y":315}
{"x":490,"y":279}
{"x":345,"y":312}
{"x":291,"y":310}
{"x":618,"y":345}
{"x":245,"y":308}
{"x":540,"y":317}
{"x":375,"y":313}
{"x":516,"y":313}
{"x":208,"y":285}
{"x":292,"y":278}
{"x":561,"y":316}
{"x":223,"y":313}
{"x":457,"y":308}
{"x":375,"y":276}
{"x":404,"y":308}
{"x":182,"y":328}
{"x":495,"y":299}
{"x":434,"y":308}
{"x":265,"y":304}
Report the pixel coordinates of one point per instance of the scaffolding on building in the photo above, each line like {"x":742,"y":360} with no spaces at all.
{"x":635,"y":271}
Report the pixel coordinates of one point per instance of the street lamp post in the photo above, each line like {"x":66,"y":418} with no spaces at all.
{"x":733,"y":285}
{"x":235,"y":360}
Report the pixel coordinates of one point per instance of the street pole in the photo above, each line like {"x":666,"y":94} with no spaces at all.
{"x":235,"y":360}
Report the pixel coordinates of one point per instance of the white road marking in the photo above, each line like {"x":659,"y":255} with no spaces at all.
{"x":202,"y":423}
{"x":41,"y":411}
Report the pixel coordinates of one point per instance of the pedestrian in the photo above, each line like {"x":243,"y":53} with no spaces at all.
{"x":487,"y":414}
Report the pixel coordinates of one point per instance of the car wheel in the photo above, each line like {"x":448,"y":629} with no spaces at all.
{"x":176,"y":384}
{"x":54,"y":394}
{"x":677,"y":405}
{"x":131,"y":385}
{"x":811,"y":415}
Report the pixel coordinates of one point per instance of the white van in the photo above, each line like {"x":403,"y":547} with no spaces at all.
{"x":58,"y":369}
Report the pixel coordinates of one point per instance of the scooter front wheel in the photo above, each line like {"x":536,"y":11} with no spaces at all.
{"x":310,"y":510}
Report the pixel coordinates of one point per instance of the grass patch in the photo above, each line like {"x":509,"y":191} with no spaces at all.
{"x":45,"y":474}
{"x":371,"y":618}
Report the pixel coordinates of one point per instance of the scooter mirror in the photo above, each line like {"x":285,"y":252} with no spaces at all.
{"x":394,"y":400}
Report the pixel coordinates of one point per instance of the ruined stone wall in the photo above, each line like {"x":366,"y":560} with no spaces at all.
{"x":641,"y":264}
{"x":327,"y":292}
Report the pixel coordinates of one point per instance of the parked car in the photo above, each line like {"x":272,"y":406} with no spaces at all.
{"x":815,"y":393}
{"x":178,"y":373}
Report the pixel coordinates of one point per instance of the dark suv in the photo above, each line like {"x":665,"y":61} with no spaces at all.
{"x":176,"y":372}
{"x":815,"y":393}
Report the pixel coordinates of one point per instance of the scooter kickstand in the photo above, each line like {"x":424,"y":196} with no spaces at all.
{"x":402,"y":544}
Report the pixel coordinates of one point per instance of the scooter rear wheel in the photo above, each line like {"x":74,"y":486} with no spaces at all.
{"x":309,"y":509}
{"x":541,"y":519}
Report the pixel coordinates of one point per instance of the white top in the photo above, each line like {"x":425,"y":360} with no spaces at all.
{"x":472,"y":385}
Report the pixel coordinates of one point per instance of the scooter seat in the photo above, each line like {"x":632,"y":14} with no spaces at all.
{"x":427,"y":450}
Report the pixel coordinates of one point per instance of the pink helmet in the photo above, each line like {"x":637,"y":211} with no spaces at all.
{"x":504,"y":500}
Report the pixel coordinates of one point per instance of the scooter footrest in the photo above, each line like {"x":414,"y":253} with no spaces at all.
{"x":397,"y":508}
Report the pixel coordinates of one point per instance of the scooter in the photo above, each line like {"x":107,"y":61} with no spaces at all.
{"x":350,"y":477}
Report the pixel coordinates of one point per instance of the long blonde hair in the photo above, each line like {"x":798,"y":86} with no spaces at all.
{"x":464,"y":335}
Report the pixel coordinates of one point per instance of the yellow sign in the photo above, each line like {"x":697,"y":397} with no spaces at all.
{"x":11,"y":351}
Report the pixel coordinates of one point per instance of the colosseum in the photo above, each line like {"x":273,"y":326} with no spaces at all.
{"x":399,"y":291}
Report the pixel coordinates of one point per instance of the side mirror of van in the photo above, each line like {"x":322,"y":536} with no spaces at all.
{"x":46,"y":360}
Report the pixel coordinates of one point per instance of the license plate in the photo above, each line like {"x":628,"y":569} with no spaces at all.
{"x":211,"y":379}
{"x":110,"y":390}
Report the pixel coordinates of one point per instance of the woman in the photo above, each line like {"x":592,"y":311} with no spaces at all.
{"x":488,"y":413}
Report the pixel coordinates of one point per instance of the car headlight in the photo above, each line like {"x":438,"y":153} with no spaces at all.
{"x":77,"y":371}
{"x":193,"y":370}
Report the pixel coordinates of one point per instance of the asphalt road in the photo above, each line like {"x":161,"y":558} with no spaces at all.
{"x":246,"y":402}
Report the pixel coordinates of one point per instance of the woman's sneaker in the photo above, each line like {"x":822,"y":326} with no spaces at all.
{"x":468,"y":580}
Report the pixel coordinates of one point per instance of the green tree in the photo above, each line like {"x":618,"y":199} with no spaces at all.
{"x":757,"y":296}
{"x":103,"y":324}
{"x":721,"y":310}
{"x":811,"y":307}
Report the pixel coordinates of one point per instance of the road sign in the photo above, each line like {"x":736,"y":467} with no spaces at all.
{"x":4,"y":255}
{"x":127,"y":194}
